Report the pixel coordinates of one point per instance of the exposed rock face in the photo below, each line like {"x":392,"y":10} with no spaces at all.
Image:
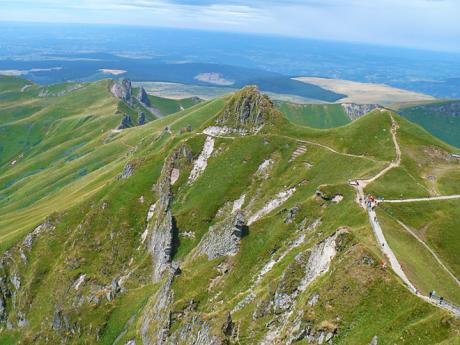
{"x":28,"y":241}
{"x":297,"y":276}
{"x":281,"y":197}
{"x":157,"y":319}
{"x":194,"y":330}
{"x":163,"y":231}
{"x":202,"y":162}
{"x":128,"y":171}
{"x":355,"y":111}
{"x":143,"y":97}
{"x":223,"y":238}
{"x":122,"y":89}
{"x":6,"y":291}
{"x":161,"y":244}
{"x":126,"y":122}
{"x":11,"y":313}
{"x":141,"y":120}
{"x":247,"y":112}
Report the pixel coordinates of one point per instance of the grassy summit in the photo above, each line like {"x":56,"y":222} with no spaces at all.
{"x":296,"y":258}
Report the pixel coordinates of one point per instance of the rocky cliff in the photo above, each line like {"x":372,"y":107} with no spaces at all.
{"x":143,"y":97}
{"x":355,"y":111}
{"x":122,"y":89}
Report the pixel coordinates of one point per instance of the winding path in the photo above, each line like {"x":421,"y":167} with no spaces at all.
{"x":383,"y":244}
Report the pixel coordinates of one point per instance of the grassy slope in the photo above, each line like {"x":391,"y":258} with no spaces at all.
{"x":102,"y":240}
{"x":440,"y":123}
{"x":314,"y":115}
{"x":168,"y":106}
{"x":63,"y":148}
{"x":426,"y":168}
{"x":436,"y":223}
{"x":419,"y":265}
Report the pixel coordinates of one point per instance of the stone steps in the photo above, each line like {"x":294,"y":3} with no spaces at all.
{"x":300,"y":150}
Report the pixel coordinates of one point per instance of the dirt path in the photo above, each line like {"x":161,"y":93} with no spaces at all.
{"x":430,"y":250}
{"x":361,"y":184}
{"x":327,"y":148}
{"x":383,"y":244}
{"x":387,"y":251}
{"x":434,"y":198}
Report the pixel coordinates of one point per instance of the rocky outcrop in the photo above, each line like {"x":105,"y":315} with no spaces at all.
{"x":141,"y":118}
{"x":280,"y":198}
{"x":162,"y":230}
{"x":28,"y":241}
{"x":297,"y":276}
{"x":157,"y":319}
{"x":355,"y":111}
{"x":128,"y":171}
{"x":143,"y":97}
{"x":126,"y":122}
{"x":122,"y":89}
{"x":12,"y":264}
{"x":248,"y":111}
{"x":50,"y":92}
{"x":223,"y":239}
{"x":194,"y":330}
{"x":202,"y":161}
{"x":6,"y":290}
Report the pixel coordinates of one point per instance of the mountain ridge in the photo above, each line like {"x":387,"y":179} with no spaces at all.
{"x":224,"y":238}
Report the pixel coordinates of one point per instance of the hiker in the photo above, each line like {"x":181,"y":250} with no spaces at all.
{"x":441,"y":299}
{"x":431,"y":294}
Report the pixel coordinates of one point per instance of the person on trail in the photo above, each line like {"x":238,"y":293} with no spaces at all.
{"x":430,"y":294}
{"x":441,"y":299}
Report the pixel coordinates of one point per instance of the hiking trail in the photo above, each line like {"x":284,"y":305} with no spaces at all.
{"x":383,"y":244}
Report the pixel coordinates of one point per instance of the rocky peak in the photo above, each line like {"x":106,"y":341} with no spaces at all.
{"x":122,"y":89}
{"x":248,"y":109}
{"x":143,"y":97}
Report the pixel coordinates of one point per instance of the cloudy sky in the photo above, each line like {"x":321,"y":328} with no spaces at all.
{"x":430,"y":24}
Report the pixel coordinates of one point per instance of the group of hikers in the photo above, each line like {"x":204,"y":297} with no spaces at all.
{"x":432,"y":294}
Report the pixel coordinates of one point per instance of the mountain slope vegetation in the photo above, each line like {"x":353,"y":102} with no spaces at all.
{"x":439,"y":118}
{"x":223,"y":223}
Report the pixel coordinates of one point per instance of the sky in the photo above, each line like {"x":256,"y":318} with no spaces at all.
{"x":426,"y":24}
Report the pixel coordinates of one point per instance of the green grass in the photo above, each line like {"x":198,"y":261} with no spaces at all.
{"x":314,"y":115}
{"x":417,"y":262}
{"x":436,"y":223}
{"x":69,"y":168}
{"x":12,"y":84}
{"x":426,"y":167}
{"x":438,"y":119}
{"x":168,"y":106}
{"x":125,"y":314}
